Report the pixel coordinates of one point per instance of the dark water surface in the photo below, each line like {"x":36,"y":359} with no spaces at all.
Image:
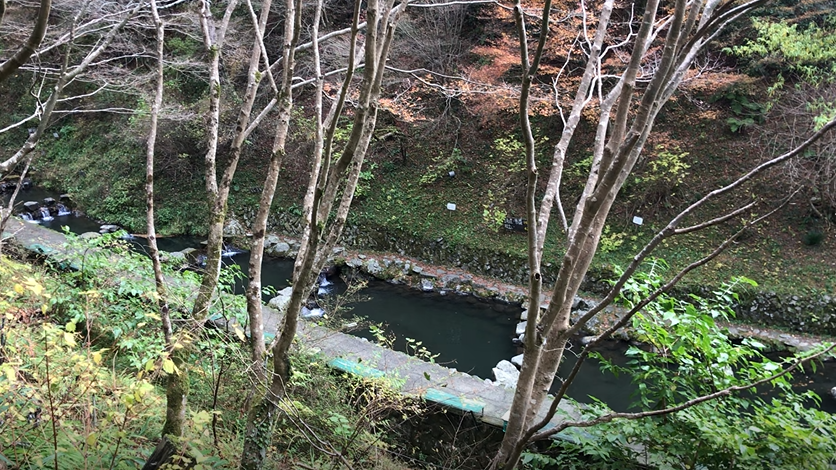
{"x":467,"y":334}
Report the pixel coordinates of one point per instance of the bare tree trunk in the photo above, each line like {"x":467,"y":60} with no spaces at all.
{"x":382,"y":20}
{"x":38,"y":31}
{"x":621,"y":137}
{"x":293,"y":20}
{"x":175,"y":416}
{"x":177,"y":385}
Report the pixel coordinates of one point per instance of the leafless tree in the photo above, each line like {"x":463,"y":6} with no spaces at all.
{"x":626,"y":114}
{"x":87,"y":40}
{"x":795,"y":115}
{"x":325,"y":210}
{"x":38,"y":31}
{"x":70,"y":67}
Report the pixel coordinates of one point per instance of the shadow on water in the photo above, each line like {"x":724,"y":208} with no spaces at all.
{"x":467,"y":334}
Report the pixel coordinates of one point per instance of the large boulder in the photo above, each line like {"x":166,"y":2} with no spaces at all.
{"x":233,"y":228}
{"x":32,"y":206}
{"x":373,"y":267}
{"x":280,"y":301}
{"x":517,"y":360}
{"x":89,"y":235}
{"x":271,"y":239}
{"x":280,"y":249}
{"x":506,"y":374}
{"x":108,"y":228}
{"x":191,"y":254}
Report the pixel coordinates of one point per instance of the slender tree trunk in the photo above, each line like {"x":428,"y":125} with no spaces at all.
{"x":382,"y":20}
{"x":38,"y":31}
{"x":620,"y":139}
{"x":174,"y":415}
{"x":293,"y":15}
{"x":217,"y":193}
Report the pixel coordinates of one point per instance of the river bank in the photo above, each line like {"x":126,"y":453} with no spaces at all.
{"x":397,"y":268}
{"x":450,"y":272}
{"x":498,"y":304}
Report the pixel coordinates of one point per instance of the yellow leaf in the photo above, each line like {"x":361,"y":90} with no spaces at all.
{"x":34,"y":286}
{"x":97,"y":357}
{"x":69,"y":339}
{"x":239,"y":332}
{"x":70,"y":327}
{"x":149,"y":365}
{"x":168,"y":366}
{"x":10,"y":373}
{"x":18,"y":288}
{"x":91,"y":439}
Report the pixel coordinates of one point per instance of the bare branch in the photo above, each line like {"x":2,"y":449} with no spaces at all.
{"x":22,"y":55}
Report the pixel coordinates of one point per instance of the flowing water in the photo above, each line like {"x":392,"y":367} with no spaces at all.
{"x":468,"y":334}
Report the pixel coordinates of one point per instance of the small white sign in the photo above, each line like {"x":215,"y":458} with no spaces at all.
{"x":451,"y":206}
{"x":637,"y":220}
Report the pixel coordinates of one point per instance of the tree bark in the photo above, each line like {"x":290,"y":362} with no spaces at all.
{"x":620,"y":139}
{"x":26,"y":50}
{"x":382,"y":20}
{"x":293,"y":15}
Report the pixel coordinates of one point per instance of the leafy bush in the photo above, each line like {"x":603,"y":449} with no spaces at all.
{"x":813,"y":237}
{"x":808,"y":52}
{"x":687,"y":355}
{"x":63,"y":406}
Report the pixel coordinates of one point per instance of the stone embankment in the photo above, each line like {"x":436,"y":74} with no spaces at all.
{"x":400,"y":269}
{"x":811,"y":314}
{"x":454,"y":390}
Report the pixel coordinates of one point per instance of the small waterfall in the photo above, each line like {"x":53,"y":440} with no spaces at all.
{"x":229,"y":251}
{"x":308,"y":313}
{"x":26,"y":216}
{"x":324,"y":284}
{"x":63,"y":210}
{"x":45,"y":215}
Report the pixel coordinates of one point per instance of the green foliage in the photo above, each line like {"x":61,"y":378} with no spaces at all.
{"x":442,"y":165}
{"x":61,"y":404}
{"x":327,"y":419}
{"x":808,"y":52}
{"x":667,"y":170}
{"x":416,"y":348}
{"x":493,"y":214}
{"x":510,"y":149}
{"x":610,"y":241}
{"x":364,"y":182}
{"x":579,"y":169}
{"x":687,"y":356}
{"x":183,"y":46}
{"x":746,"y":112}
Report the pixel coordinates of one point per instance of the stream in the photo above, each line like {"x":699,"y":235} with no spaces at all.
{"x":468,"y":334}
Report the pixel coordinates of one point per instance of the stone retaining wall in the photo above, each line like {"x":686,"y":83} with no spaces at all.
{"x":809,"y":314}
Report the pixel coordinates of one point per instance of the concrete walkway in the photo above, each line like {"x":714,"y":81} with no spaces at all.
{"x":411,"y":376}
